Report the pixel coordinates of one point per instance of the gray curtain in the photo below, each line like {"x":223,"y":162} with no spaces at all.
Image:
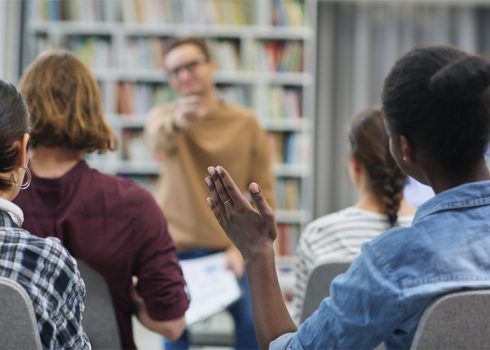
{"x":357,"y":43}
{"x":10,"y":39}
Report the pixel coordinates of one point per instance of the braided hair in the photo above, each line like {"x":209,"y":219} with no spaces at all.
{"x":369,"y":143}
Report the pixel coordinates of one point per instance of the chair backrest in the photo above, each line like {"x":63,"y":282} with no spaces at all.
{"x":458,"y":320}
{"x":318,"y":286}
{"x":18,"y":324}
{"x":99,"y":319}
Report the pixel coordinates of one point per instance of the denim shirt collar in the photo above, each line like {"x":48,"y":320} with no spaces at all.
{"x":473,"y":194}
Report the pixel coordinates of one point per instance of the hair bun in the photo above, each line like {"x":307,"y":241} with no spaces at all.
{"x":463,"y":80}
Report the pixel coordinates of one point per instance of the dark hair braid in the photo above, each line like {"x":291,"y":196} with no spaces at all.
{"x":387,"y":184}
{"x":370,"y":146}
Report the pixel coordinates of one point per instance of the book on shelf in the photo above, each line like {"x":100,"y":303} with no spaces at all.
{"x":288,"y":13}
{"x":93,"y":51}
{"x":276,"y":146}
{"x":226,"y":54}
{"x":285,"y":102}
{"x":235,"y":93}
{"x":258,"y":58}
{"x":125,"y":98}
{"x":296,"y":148}
{"x":68,"y":10}
{"x":289,"y":147}
{"x":134,"y":146}
{"x":139,"y":98}
{"x":287,"y":239}
{"x":221,"y":12}
{"x":276,"y":55}
{"x":145,"y":53}
{"x":288,"y":193}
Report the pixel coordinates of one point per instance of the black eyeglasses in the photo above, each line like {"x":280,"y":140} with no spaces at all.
{"x":190,"y":67}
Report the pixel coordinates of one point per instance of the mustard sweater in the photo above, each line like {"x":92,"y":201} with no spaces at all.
{"x":230,"y":137}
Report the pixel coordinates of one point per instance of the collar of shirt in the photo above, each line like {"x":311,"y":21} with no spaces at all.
{"x":474,"y":194}
{"x":13,"y":210}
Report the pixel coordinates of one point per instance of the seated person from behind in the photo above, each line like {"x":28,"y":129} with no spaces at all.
{"x":436,"y":101}
{"x":42,"y":266}
{"x":381,"y":206}
{"x":111,"y":223}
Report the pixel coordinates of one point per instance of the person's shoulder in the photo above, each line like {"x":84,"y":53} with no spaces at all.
{"x":239,"y":112}
{"x":405,"y":220}
{"x":339,"y":216}
{"x":118,"y":189}
{"x":393,"y":243}
{"x":49,"y":248}
{"x":329,"y":222}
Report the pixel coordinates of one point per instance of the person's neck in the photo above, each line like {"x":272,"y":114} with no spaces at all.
{"x":441,"y":180}
{"x":54,"y":162}
{"x":368,"y":202}
{"x":9,"y":195}
{"x":210,"y":99}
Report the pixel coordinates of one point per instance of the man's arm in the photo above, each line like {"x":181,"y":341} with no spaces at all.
{"x":253,"y":232}
{"x":159,"y":294}
{"x":171,"y":329}
{"x":161,"y":130}
{"x":165,"y":124}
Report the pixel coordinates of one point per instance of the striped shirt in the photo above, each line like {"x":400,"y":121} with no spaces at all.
{"x":51,"y":279}
{"x":335,"y":236}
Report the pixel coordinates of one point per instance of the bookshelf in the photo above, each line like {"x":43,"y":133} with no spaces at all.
{"x":265,"y":50}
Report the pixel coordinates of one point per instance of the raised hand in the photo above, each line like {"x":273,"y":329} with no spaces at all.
{"x":190,"y":110}
{"x":252,"y":231}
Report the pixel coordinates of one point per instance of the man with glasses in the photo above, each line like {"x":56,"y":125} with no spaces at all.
{"x":189,"y":134}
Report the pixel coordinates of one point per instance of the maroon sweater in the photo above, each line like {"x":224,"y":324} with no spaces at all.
{"x":116,"y":227}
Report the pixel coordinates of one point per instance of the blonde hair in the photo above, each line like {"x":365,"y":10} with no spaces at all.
{"x":65,"y":104}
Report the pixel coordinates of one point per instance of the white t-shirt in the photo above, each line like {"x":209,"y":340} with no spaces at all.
{"x":335,"y":236}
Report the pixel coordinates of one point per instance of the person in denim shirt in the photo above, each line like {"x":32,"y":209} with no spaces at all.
{"x":437,"y":111}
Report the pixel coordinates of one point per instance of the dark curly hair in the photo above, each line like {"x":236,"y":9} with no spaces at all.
{"x":438,"y":98}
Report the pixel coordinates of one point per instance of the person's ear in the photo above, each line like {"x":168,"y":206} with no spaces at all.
{"x":23,"y":150}
{"x":407,"y":149}
{"x":355,"y":169}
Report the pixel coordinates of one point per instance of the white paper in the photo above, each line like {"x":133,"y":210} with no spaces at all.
{"x":211,"y":285}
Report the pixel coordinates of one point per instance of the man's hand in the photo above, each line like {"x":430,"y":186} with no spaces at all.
{"x":252,"y":231}
{"x":171,"y":329}
{"x":190,"y":110}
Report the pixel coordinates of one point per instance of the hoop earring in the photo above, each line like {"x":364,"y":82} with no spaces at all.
{"x":27,"y":175}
